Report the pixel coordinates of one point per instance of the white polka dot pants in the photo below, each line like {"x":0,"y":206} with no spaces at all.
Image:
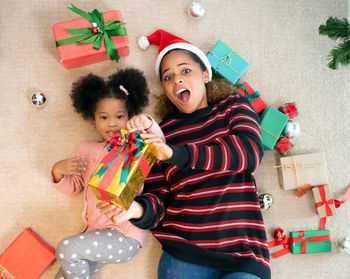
{"x":84,"y":254}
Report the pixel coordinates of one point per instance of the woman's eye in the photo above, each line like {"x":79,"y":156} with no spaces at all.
{"x":120,"y":116}
{"x":186,"y":71}
{"x":103,"y":117}
{"x":167,"y":78}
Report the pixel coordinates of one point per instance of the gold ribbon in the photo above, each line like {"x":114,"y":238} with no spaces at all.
{"x":268,"y":132}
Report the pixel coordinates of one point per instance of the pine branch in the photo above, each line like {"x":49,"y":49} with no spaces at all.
{"x":340,"y":54}
{"x":335,"y":28}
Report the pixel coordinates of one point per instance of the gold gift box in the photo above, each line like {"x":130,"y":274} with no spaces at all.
{"x":123,"y":194}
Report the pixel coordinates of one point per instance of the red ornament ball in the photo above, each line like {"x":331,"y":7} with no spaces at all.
{"x":94,"y":30}
{"x":279,"y":234}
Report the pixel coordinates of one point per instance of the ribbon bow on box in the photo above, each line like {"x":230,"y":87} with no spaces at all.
{"x":94,"y":34}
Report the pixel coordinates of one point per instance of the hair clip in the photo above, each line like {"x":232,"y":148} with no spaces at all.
{"x":122,"y":88}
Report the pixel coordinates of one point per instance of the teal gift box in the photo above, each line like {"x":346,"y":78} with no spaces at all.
{"x":306,"y":242}
{"x":226,"y":62}
{"x":272,"y":123}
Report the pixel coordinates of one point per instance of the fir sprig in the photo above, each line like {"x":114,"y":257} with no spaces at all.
{"x":340,"y":54}
{"x":337,"y":29}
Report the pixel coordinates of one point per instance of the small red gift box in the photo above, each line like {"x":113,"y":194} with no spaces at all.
{"x":27,"y":257}
{"x":289,"y":109}
{"x":74,"y":54}
{"x":284,"y":145}
{"x":253,"y":96}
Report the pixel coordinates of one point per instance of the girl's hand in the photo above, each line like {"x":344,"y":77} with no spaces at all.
{"x":164,"y":151}
{"x":71,"y":166}
{"x":118,"y":215}
{"x":140,"y":123}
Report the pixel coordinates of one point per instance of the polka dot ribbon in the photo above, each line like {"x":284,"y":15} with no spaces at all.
{"x":89,"y":35}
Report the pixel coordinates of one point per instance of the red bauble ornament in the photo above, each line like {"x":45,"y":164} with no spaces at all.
{"x":94,"y":30}
{"x":279,"y":234}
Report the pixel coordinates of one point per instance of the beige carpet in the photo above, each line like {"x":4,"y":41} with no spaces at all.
{"x":287,"y":63}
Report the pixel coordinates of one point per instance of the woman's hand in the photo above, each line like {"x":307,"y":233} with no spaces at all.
{"x":118,"y":215}
{"x":139,"y":123}
{"x":71,"y":166}
{"x":164,"y":151}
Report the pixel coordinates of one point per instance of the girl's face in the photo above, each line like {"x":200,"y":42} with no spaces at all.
{"x":183,"y":81}
{"x":110,"y":116}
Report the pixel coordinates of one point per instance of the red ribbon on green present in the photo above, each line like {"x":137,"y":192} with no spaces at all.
{"x":121,"y":153}
{"x":88,"y":36}
{"x":308,"y":239}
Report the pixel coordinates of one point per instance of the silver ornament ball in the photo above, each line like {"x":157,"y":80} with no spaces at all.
{"x":265,"y":201}
{"x":38,"y":99}
{"x":343,"y":244}
{"x":196,"y":10}
{"x":292,"y":129}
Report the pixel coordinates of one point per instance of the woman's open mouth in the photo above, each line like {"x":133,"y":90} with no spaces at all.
{"x":183,"y":95}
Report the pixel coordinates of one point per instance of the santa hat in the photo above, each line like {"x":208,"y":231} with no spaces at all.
{"x":167,"y":42}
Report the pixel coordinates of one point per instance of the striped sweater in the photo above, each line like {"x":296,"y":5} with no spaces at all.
{"x":202,"y":203}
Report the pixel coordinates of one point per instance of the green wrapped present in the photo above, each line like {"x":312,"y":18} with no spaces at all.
{"x":272,"y":123}
{"x":306,"y":242}
{"x":226,"y":62}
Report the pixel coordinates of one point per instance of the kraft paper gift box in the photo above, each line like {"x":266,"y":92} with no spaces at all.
{"x":123,"y":170}
{"x":306,"y":242}
{"x":226,"y":62}
{"x":303,"y":169}
{"x":253,"y":96}
{"x":110,"y":34}
{"x":272,"y":123}
{"x":27,"y":257}
{"x":324,"y":201}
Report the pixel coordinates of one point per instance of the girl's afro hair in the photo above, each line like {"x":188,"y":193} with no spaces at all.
{"x":86,"y":93}
{"x":134,"y":81}
{"x":90,"y":89}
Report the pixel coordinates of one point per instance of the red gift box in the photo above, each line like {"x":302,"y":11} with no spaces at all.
{"x":27,"y":257}
{"x":289,"y":109}
{"x":74,"y":55}
{"x":284,"y":145}
{"x":253,"y":96}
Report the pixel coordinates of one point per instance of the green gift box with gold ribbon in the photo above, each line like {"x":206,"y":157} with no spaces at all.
{"x":272,"y":123}
{"x":92,"y":38}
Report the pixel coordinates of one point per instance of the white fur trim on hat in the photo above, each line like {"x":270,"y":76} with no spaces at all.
{"x":185,"y":46}
{"x":143,"y":42}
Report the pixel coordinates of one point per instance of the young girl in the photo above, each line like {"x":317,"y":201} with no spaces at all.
{"x":201,"y":200}
{"x":109,"y":107}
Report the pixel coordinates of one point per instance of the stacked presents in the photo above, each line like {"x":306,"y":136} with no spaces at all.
{"x":299,"y":172}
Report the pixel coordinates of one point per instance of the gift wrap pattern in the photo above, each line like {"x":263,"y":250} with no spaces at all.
{"x":306,"y":242}
{"x":73,"y":55}
{"x":303,"y":169}
{"x":123,"y":170}
{"x":27,"y":257}
{"x":226,"y":62}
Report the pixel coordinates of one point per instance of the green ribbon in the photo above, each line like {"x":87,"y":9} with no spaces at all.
{"x":252,"y":97}
{"x":85,"y":36}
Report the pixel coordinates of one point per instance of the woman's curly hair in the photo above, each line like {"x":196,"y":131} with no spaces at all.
{"x":217,"y":89}
{"x":90,"y":89}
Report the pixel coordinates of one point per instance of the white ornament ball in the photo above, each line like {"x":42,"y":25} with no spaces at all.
{"x":344,"y":244}
{"x":196,"y":10}
{"x":292,"y":129}
{"x":38,"y":99}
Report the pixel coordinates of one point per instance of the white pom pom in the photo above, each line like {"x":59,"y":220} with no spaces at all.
{"x":143,"y":42}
